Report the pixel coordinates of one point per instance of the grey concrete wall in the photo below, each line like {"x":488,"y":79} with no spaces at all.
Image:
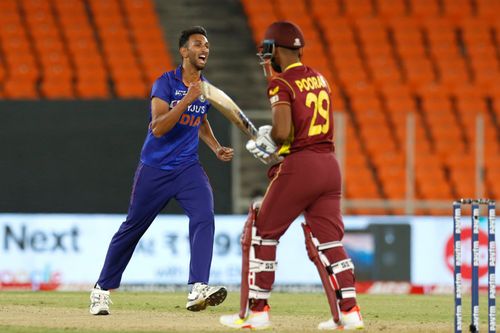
{"x":80,"y":156}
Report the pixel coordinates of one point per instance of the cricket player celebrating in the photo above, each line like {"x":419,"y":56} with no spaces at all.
{"x":169,"y":168}
{"x":307,"y":181}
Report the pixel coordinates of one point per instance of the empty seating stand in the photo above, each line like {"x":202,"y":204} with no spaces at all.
{"x":60,"y":49}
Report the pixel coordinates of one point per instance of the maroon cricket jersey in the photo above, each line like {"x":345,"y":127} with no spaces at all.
{"x":308,"y":94}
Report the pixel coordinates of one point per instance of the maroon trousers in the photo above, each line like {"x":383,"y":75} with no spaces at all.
{"x":310,"y":183}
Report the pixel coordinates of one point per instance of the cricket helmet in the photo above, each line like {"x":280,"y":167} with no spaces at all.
{"x":282,"y":34}
{"x":285,"y":34}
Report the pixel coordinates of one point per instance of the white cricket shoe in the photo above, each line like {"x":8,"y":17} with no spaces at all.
{"x":329,"y":325}
{"x":255,"y":320}
{"x":349,"y":320}
{"x":202,"y":295}
{"x":99,"y":302}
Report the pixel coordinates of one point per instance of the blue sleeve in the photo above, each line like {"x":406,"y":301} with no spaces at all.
{"x":161,"y":89}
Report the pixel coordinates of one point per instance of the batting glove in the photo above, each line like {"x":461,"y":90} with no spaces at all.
{"x":263,"y":146}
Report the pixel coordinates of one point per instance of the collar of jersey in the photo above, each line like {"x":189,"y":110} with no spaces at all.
{"x":178,"y":74}
{"x":295,"y":64}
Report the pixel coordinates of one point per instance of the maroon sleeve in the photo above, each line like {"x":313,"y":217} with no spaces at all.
{"x":279,"y":92}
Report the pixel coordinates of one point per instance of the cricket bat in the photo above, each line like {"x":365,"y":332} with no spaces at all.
{"x":229,"y":109}
{"x":222,"y":102}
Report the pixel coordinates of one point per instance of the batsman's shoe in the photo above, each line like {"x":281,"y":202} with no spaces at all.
{"x":255,"y":320}
{"x":203,"y":295}
{"x":349,"y":320}
{"x":329,"y":325}
{"x":99,"y":302}
{"x":352,"y":320}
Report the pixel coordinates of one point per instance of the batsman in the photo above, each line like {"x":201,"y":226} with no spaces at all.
{"x":307,"y":181}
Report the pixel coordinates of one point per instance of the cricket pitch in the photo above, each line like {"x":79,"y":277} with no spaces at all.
{"x":57,"y":312}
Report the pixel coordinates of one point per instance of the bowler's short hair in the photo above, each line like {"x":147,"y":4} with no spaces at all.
{"x":191,"y":31}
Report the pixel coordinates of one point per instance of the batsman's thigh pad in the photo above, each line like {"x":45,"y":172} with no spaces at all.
{"x":252,"y":265}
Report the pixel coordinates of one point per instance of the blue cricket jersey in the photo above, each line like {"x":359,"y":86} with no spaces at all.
{"x":179,"y":146}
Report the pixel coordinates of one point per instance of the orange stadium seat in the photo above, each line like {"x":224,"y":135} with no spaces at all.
{"x":398,"y":103}
{"x":409,"y":47}
{"x":350,"y":76}
{"x":325,"y":7}
{"x":256,"y":7}
{"x":337,"y":100}
{"x":20,"y":89}
{"x":381,"y":132}
{"x":412,"y":51}
{"x":359,"y":8}
{"x":384,"y":70}
{"x":418,"y":72}
{"x":392,"y":172}
{"x":57,"y":89}
{"x":127,"y":74}
{"x":23,"y":69}
{"x":452,"y":71}
{"x":360,"y":183}
{"x":363,"y":94}
{"x":260,"y":14}
{"x":430,"y":178}
{"x":462,"y":174}
{"x":131,"y":89}
{"x":154,"y":66}
{"x":424,"y":8}
{"x":469,"y":103}
{"x":91,"y":89}
{"x":443,"y":123}
{"x":391,"y":8}
{"x":457,"y":9}
{"x":468,"y":118}
{"x":488,"y":9}
{"x":293,"y":10}
{"x":259,"y":24}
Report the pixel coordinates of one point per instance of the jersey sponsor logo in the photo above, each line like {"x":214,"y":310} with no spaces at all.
{"x":189,"y":120}
{"x":180,"y":92}
{"x":274,"y":91}
{"x":191,"y":107}
{"x":274,"y":99}
{"x":311,"y":83}
{"x":197,"y":108}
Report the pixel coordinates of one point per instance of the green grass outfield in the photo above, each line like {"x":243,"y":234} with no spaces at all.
{"x":58,"y":312}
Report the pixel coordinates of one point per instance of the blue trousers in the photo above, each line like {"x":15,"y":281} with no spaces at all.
{"x":152,"y":190}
